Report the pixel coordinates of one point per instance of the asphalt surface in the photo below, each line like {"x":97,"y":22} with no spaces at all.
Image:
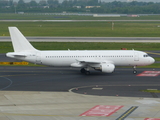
{"x":3,"y":58}
{"x":121,"y":83}
{"x":87,"y":39}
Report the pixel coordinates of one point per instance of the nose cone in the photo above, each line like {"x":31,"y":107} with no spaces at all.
{"x":152,"y":60}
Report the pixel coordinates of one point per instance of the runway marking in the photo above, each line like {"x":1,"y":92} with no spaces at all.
{"x":14,"y":63}
{"x":127,"y":113}
{"x":17,"y":75}
{"x":91,"y":86}
{"x":152,"y":119}
{"x":11,"y":82}
{"x":101,"y":110}
{"x":97,"y":88}
{"x":7,"y":85}
{"x":149,"y":73}
{"x":18,"y":114}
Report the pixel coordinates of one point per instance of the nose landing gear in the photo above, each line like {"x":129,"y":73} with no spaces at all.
{"x":134,"y":70}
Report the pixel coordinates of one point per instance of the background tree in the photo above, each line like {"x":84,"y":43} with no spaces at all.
{"x":21,"y":5}
{"x":33,"y":3}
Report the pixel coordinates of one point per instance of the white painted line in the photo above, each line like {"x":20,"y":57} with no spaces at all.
{"x":97,"y":88}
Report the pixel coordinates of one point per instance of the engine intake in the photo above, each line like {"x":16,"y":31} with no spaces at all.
{"x":107,"y":68}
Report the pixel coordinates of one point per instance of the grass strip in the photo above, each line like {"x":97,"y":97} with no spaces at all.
{"x":151,"y":91}
{"x":7,"y":46}
{"x":84,"y":29}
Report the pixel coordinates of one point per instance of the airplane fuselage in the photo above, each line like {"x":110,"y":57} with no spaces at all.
{"x":66,"y":58}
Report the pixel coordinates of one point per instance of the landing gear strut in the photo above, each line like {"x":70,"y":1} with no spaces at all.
{"x":85,"y":71}
{"x":134,"y":70}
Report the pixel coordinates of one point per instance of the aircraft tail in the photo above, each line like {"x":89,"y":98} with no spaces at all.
{"x":19,"y":42}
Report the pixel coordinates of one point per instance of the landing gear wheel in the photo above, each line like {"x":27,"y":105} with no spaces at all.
{"x":87,"y":72}
{"x":83,"y":70}
{"x":134,"y":71}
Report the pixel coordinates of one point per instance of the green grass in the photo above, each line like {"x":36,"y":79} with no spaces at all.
{"x":154,"y":65}
{"x":151,"y":91}
{"x":157,"y":59}
{"x":84,"y":29}
{"x":7,"y":46}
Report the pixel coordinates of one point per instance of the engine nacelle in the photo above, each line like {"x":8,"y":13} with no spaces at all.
{"x":107,"y":68}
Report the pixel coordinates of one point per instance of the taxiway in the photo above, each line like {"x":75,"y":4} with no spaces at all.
{"x":122,"y":82}
{"x":88,"y":39}
{"x":64,"y":93}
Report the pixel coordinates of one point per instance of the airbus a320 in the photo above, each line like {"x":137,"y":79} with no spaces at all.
{"x":101,"y":60}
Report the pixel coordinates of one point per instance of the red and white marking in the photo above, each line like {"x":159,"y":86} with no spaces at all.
{"x":152,"y":119}
{"x":149,"y":73}
{"x":101,"y":110}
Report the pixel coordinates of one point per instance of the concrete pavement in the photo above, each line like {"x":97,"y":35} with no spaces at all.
{"x":25,"y":105}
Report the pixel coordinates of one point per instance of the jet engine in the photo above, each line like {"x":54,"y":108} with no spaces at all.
{"x":107,"y":68}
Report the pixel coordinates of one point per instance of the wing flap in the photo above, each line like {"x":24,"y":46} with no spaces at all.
{"x":91,"y":63}
{"x":83,"y":63}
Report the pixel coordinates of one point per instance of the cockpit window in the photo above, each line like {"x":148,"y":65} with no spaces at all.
{"x":145,"y":55}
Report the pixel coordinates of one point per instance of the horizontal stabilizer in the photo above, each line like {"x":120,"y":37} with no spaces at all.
{"x":14,"y":54}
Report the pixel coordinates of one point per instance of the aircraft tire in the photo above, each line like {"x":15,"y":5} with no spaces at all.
{"x":134,"y":71}
{"x":87,"y":72}
{"x":83,"y":70}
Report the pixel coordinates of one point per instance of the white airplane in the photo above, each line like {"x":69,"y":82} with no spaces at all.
{"x":101,"y":60}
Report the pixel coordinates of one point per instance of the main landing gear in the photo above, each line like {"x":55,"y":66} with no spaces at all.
{"x":85,"y":71}
{"x":134,"y":70}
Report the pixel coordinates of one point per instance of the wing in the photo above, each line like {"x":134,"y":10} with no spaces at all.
{"x":91,"y":63}
{"x":104,"y":66}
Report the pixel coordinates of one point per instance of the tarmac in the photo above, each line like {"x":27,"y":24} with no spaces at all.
{"x":26,"y":105}
{"x":46,"y":93}
{"x":88,"y":39}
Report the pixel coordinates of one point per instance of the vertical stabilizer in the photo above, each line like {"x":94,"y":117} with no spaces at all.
{"x":20,"y":43}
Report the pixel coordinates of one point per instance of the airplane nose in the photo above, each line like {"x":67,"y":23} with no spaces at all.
{"x":152,"y":60}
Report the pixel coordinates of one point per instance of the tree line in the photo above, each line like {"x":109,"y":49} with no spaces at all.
{"x":94,"y":6}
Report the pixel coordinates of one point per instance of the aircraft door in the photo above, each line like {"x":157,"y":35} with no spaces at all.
{"x":136,"y":56}
{"x":38,"y":58}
